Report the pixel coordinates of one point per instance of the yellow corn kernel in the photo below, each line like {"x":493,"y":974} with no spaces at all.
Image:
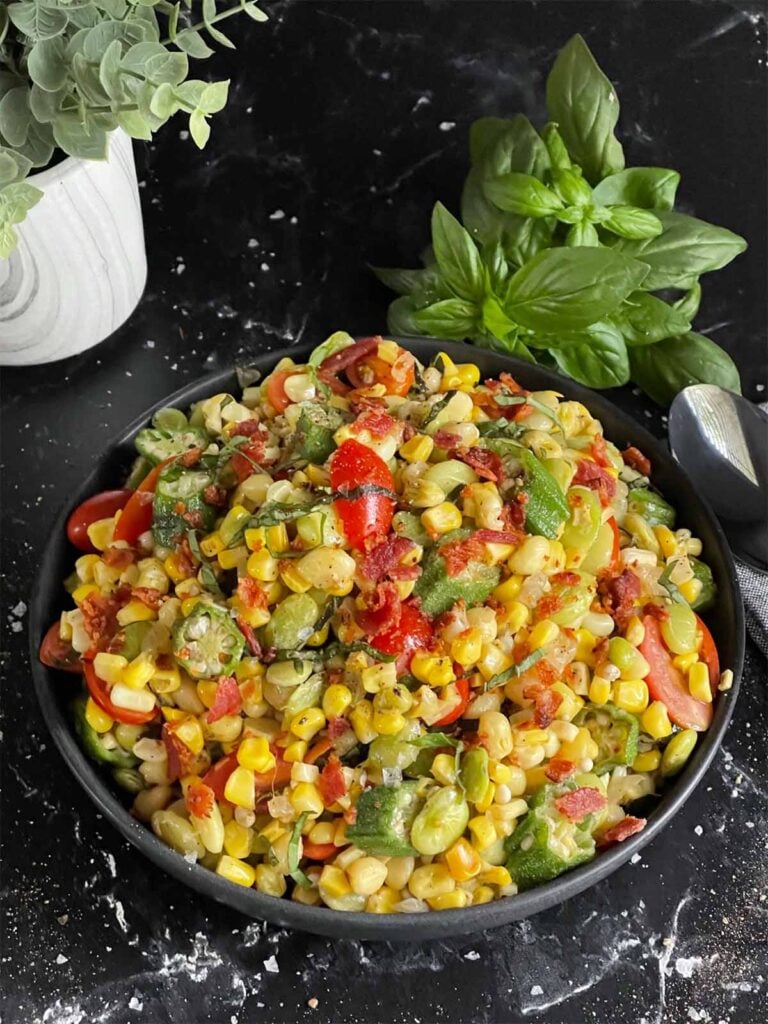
{"x":488,"y":797}
{"x":334,"y":883}
{"x":468,"y":374}
{"x":433,"y":670}
{"x":509,"y":589}
{"x":307,"y":723}
{"x":80,"y":593}
{"x":138,"y":672}
{"x":570,"y":703}
{"x":187,"y":588}
{"x":237,"y":840}
{"x":493,"y":661}
{"x":211,"y":545}
{"x":295,"y":751}
{"x":599,"y":690}
{"x":255,"y":538}
{"x":233,"y":558}
{"x":269,"y":880}
{"x":319,"y":637}
{"x":109,"y":667}
{"x":462,"y":860}
{"x":667,"y":541}
{"x":543,"y":633}
{"x":726,"y":681}
{"x":249,"y":668}
{"x":84,"y":566}
{"x":305,"y":796}
{"x":262,"y":566}
{"x":698,"y":682}
{"x":496,"y":875}
{"x":449,"y":900}
{"x":655,"y":720}
{"x":100,"y":533}
{"x":383,"y":901}
{"x":431,"y":880}
{"x":189,"y":604}
{"x":236,"y":871}
{"x":690,"y":589}
{"x":418,"y":449}
{"x":482,"y":894}
{"x":166,"y":680}
{"x":293,"y":579}
{"x":467,"y":647}
{"x":441,"y":518}
{"x":190,"y":732}
{"x":516,"y":615}
{"x":135,"y":611}
{"x":361,"y":719}
{"x":635,"y":631}
{"x":173,"y":714}
{"x":444,"y":769}
{"x":240,"y":788}
{"x":631,"y":695}
{"x":387,"y":723}
{"x":172,"y":566}
{"x":377,"y":677}
{"x":336,"y":699}
{"x":586,"y":642}
{"x":206,"y":691}
{"x":254,"y":616}
{"x":535,"y":777}
{"x":254,"y":753}
{"x":582,"y":746}
{"x":96,"y":718}
{"x":648,"y":761}
{"x":684,"y":661}
{"x":277,"y":538}
{"x":483,"y":832}
{"x":273,"y":831}
{"x":500,"y":773}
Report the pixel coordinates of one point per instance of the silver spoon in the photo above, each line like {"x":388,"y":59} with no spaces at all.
{"x":721,"y":440}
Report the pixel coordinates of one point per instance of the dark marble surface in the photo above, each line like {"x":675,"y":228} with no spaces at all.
{"x":346,"y":122}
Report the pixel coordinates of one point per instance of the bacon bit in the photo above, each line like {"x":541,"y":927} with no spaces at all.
{"x":199,"y":799}
{"x":498,"y":536}
{"x":149,"y":596}
{"x":227,"y":700}
{"x":457,"y":554}
{"x":511,"y":384}
{"x":350,"y":815}
{"x":486,"y":464}
{"x":657,"y":611}
{"x":385,"y":560}
{"x":118,"y":558}
{"x":619,"y":593}
{"x":216,"y":496}
{"x":446,"y":439}
{"x":250,"y":593}
{"x":191,"y":457}
{"x":194,"y":519}
{"x":330,"y":368}
{"x":100,"y":616}
{"x":547,"y":674}
{"x":250,"y":637}
{"x":331,"y":782}
{"x":249,"y":428}
{"x":186,"y":561}
{"x":383,"y":609}
{"x":566,"y":579}
{"x":589,"y":474}
{"x":599,"y":452}
{"x":548,"y":605}
{"x":546,"y":701}
{"x":558,"y":769}
{"x":635,"y":458}
{"x":513,"y":514}
{"x":576,"y":805}
{"x":180,"y":757}
{"x":377,"y":422}
{"x":253,"y":451}
{"x":409,"y":431}
{"x":628,"y":826}
{"x":337,"y":727}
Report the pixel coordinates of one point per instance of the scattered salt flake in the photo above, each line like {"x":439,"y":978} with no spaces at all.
{"x":313,"y":1003}
{"x":447,"y":126}
{"x":16,"y":626}
{"x":190,"y":858}
{"x":19,"y":609}
{"x":472,"y":955}
{"x":61,"y":959}
{"x":686,"y":965}
{"x":253,"y":243}
{"x":184,"y":135}
{"x":699,"y":830}
{"x":180,"y":268}
{"x":759,"y":387}
{"x":277,"y":215}
{"x":149,"y":344}
{"x":264,"y":266}
{"x":749,"y":824}
{"x":270,"y":965}
{"x":537,"y":990}
{"x":134,"y":1003}
{"x":63,"y":919}
{"x":635,"y":858}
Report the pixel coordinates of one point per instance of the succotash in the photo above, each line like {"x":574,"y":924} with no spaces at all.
{"x":384,"y":637}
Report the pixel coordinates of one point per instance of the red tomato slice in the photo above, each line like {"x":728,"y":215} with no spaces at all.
{"x":279,"y":776}
{"x":276,"y":389}
{"x":413,"y":633}
{"x":58,"y":653}
{"x":217,"y":775}
{"x":462,"y":685}
{"x":318,"y":851}
{"x":666,"y":683}
{"x":136,"y":517}
{"x":98,"y":506}
{"x":98,"y":690}
{"x":708,"y":654}
{"x":397,"y":377}
{"x":354,"y":465}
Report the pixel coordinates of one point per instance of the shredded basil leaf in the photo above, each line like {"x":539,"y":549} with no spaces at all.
{"x":435,"y":739}
{"x":275,"y":512}
{"x":437,"y":407}
{"x":359,"y":645}
{"x":293,"y":853}
{"x":514,"y":671}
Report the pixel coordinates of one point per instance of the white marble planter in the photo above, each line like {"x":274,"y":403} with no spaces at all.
{"x":80,"y":266}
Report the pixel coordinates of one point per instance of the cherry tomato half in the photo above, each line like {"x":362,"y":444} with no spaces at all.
{"x":58,"y":653}
{"x":708,"y":654}
{"x":100,"y":693}
{"x":318,"y":851}
{"x":413,"y":633}
{"x":276,"y":389}
{"x":354,"y":465}
{"x":397,"y":377}
{"x":462,"y":685}
{"x":666,"y":683}
{"x":136,"y":517}
{"x":98,"y":506}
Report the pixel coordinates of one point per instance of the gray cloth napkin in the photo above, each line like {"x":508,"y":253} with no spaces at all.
{"x":754,"y":590}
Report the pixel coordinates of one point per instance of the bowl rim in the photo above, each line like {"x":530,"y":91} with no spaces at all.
{"x":362,"y":924}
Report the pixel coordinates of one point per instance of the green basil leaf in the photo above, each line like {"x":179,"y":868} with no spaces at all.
{"x":400,"y":316}
{"x":652,"y":188}
{"x":688,"y":305}
{"x":664,"y":369}
{"x":519,"y":148}
{"x":434,"y":739}
{"x":599,"y":361}
{"x":522,"y":194}
{"x":643,"y":320}
{"x":449,"y":318}
{"x":686,"y":249}
{"x":514,"y":671}
{"x":571,"y":186}
{"x":583,"y":103}
{"x":553,"y":140}
{"x":457,"y":255}
{"x":527,"y":239}
{"x":404,"y":282}
{"x":568,"y":289}
{"x":338,"y":648}
{"x":496,"y":320}
{"x":483,"y":136}
{"x":496,"y":265}
{"x":293,"y":853}
{"x":632,"y":222}
{"x":583,"y":234}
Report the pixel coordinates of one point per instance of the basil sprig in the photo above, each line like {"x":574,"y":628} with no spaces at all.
{"x":565,"y":256}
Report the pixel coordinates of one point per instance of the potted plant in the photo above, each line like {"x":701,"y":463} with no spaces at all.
{"x":78,"y":80}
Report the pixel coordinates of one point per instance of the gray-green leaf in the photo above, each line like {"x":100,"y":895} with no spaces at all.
{"x":652,"y":188}
{"x":15,"y":116}
{"x":46,"y":64}
{"x":583,"y":103}
{"x":75,"y":139}
{"x":664,"y":369}
{"x":457,"y":256}
{"x":37,"y":20}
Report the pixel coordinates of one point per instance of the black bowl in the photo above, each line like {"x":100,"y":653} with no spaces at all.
{"x":726,"y":622}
